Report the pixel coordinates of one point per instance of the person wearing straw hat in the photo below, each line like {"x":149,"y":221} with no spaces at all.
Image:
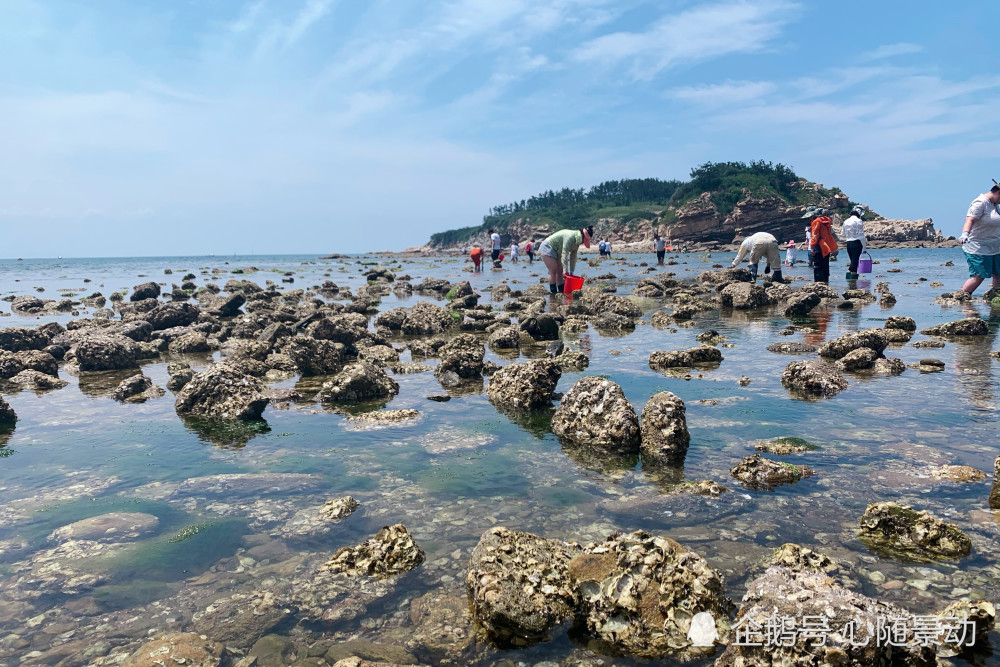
{"x":558,"y":252}
{"x":761,"y":245}
{"x":853,"y":234}
{"x":981,"y":239}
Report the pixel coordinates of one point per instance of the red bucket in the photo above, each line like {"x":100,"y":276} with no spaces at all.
{"x":572,"y":284}
{"x":865,"y":265}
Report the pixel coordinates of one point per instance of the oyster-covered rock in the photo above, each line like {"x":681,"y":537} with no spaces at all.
{"x":903,"y":532}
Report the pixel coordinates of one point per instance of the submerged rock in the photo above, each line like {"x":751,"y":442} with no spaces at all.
{"x":688,"y":504}
{"x":970,"y":326}
{"x":180,"y":648}
{"x":784,"y":446}
{"x":527,"y":386}
{"x":639,"y":593}
{"x":570,"y":361}
{"x":392,"y":551}
{"x":791,"y":348}
{"x":37,"y":381}
{"x":860,"y":359}
{"x":595,"y":412}
{"x":801,"y":303}
{"x":518,"y":585}
{"x":136,"y":389}
{"x":224,"y":392}
{"x":903,"y":532}
{"x":872,"y":339}
{"x":358,"y":382}
{"x":111,"y":527}
{"x":813,"y":378}
{"x":756,"y":472}
{"x":664,"y":431}
{"x":696,"y":356}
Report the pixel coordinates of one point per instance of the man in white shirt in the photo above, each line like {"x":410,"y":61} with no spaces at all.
{"x":761,"y":245}
{"x":661,"y":248}
{"x":495,"y":240}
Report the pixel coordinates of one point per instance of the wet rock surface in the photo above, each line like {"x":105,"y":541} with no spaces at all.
{"x":871,"y":339}
{"x":392,"y":551}
{"x":903,"y":532}
{"x":696,"y":356}
{"x":595,"y":412}
{"x":527,"y":386}
{"x":518,"y":585}
{"x":136,"y":389}
{"x":224,"y":392}
{"x":970,"y":326}
{"x":640,"y":593}
{"x":756,"y":472}
{"x":664,"y":430}
{"x":358,"y":382}
{"x":813,"y":379}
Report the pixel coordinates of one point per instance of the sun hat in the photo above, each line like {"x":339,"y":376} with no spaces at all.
{"x":791,"y":243}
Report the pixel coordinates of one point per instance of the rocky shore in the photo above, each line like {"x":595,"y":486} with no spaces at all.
{"x":231,"y":353}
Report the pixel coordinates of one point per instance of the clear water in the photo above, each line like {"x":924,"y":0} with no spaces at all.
{"x":464,"y":467}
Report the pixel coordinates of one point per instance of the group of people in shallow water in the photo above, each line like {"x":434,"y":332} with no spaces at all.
{"x":980,"y":241}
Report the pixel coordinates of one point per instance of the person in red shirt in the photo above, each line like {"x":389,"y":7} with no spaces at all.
{"x":477,"y":258}
{"x":821,"y":244}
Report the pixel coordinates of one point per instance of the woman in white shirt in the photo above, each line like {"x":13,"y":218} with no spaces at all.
{"x":981,"y":240}
{"x":853,"y":235}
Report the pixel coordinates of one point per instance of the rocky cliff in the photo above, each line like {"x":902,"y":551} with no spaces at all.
{"x":700,"y":223}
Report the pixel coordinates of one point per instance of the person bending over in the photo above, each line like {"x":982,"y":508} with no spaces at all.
{"x":558,"y":252}
{"x":761,"y":245}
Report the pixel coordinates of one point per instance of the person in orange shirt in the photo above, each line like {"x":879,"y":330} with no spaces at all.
{"x":477,"y":258}
{"x":821,"y":244}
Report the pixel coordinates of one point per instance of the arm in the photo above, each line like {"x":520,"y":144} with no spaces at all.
{"x":741,"y":254}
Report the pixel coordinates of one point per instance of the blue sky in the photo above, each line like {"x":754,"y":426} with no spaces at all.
{"x":151,"y":127}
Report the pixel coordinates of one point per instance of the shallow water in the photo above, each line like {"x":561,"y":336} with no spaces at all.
{"x":464,"y":467}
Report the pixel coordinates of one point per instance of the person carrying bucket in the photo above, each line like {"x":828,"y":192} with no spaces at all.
{"x":853,"y":234}
{"x":559,"y":251}
{"x":821,"y":243}
{"x":761,"y":245}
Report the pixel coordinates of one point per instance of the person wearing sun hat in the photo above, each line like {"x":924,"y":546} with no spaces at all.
{"x":981,"y":239}
{"x":790,"y":253}
{"x":558,"y":252}
{"x":853,"y":234}
{"x":821,"y":243}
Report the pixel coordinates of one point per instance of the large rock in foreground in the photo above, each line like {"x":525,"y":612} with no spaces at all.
{"x":665,"y":436}
{"x":222,"y":392}
{"x":813,"y":378}
{"x":360,"y":381}
{"x":848,"y":621}
{"x":640,"y":593}
{"x":970,"y":326}
{"x":596,"y":412}
{"x":527,"y":386}
{"x":903,"y":532}
{"x":518,"y":585}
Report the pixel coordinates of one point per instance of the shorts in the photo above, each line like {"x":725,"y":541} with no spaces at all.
{"x":983,"y":266}
{"x":495,"y":255}
{"x":545,"y":250}
{"x":660,"y":254}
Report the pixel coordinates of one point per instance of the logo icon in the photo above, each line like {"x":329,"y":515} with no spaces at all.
{"x":703,"y":632}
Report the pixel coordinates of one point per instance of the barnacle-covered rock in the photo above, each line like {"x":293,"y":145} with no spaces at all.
{"x":756,"y":472}
{"x":903,"y":532}
{"x":596,"y":412}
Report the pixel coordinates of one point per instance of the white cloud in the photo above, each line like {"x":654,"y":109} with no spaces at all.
{"x":248,"y":16}
{"x":693,"y":35}
{"x":890,"y":51}
{"x":721,"y":94}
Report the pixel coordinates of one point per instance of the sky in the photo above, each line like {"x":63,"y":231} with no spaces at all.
{"x":188,"y":127}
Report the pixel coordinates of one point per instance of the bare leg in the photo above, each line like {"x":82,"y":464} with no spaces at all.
{"x":974,"y":282}
{"x":555,"y":271}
